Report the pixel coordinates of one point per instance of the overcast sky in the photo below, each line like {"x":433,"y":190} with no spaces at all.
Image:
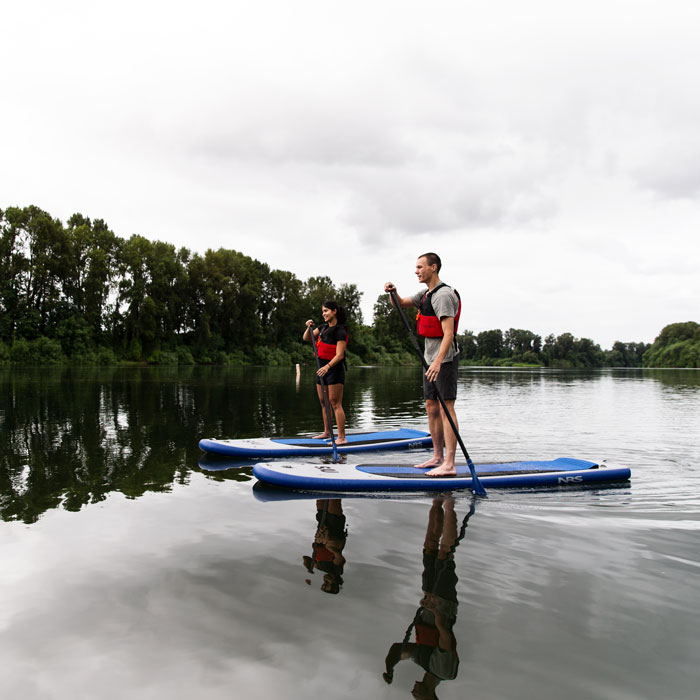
{"x":548,"y":151}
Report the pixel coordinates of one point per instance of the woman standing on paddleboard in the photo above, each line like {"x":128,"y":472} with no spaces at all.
{"x":331,"y":341}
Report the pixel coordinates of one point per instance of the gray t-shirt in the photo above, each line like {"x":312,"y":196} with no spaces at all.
{"x":445,"y":303}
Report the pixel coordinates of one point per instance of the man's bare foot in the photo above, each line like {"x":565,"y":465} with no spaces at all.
{"x":322,"y":436}
{"x":443,"y":470}
{"x":341,"y":441}
{"x":432,"y":462}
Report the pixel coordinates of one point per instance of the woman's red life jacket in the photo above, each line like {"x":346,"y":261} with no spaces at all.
{"x":327,"y":351}
{"x":427,"y":323}
{"x":426,"y":635}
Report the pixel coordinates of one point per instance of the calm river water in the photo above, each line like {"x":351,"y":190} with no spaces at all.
{"x":129,"y":571}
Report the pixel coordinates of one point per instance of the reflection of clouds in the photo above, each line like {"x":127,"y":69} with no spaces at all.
{"x":134,"y":574}
{"x":19,"y":481}
{"x":573,"y":578}
{"x":363,"y":414}
{"x":181,"y":595}
{"x":540,"y":583}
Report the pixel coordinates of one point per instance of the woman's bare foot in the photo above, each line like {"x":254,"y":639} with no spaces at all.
{"x":341,"y":441}
{"x":443,"y":470}
{"x":322,"y":436}
{"x":432,"y":462}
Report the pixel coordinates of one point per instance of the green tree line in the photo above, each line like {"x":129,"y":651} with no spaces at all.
{"x":678,"y":345}
{"x":79,"y":292}
{"x":524,"y":348}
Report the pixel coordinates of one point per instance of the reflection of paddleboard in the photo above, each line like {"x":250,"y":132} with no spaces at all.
{"x":266,"y":493}
{"x":306,"y":446}
{"x":387,"y":477}
{"x":212,"y":463}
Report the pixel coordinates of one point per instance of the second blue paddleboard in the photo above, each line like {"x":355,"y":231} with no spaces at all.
{"x":301,"y":446}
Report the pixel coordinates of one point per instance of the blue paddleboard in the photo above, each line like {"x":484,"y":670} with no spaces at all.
{"x":563,"y":471}
{"x":301,"y":446}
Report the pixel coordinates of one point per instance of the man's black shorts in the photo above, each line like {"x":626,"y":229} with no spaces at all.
{"x":446,"y":382}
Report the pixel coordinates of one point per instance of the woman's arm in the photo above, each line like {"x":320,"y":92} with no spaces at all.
{"x":308,"y":332}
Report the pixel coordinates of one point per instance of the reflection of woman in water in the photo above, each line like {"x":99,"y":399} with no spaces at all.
{"x":327,"y":548}
{"x":435,"y":646}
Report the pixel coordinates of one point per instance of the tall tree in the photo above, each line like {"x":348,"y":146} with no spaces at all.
{"x":516,"y":342}
{"x":89,"y":282}
{"x":226,"y":288}
{"x":282,"y":308}
{"x":34,"y":248}
{"x":490,"y":343}
{"x":678,"y":345}
{"x":389,"y":330}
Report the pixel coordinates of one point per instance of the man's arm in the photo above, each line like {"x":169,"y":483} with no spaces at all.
{"x":405,"y":302}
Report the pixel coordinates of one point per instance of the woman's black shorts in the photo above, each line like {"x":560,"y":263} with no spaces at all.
{"x":336,"y":374}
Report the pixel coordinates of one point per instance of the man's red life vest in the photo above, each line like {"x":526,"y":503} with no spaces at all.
{"x":327,"y":351}
{"x":322,"y":553}
{"x":427,"y":323}
{"x":426,"y":635}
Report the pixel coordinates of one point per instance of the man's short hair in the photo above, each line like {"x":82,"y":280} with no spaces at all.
{"x":432,"y":259}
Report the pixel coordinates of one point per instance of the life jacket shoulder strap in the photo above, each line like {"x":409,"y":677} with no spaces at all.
{"x":430,"y":292}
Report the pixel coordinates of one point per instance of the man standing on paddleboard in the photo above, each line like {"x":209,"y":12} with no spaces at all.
{"x":439,"y":308}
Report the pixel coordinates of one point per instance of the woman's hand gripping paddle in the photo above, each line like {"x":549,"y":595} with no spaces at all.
{"x":477,"y":487}
{"x":326,"y":402}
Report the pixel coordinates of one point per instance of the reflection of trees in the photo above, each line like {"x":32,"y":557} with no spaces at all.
{"x":329,"y":542}
{"x":434,"y":648}
{"x":69,"y":436}
{"x":675,"y":378}
{"x":72,"y":437}
{"x":396,"y":391}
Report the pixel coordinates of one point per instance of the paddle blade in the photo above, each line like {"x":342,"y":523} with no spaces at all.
{"x":477,"y":487}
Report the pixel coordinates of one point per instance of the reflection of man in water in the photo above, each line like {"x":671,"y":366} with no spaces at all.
{"x":435,"y":646}
{"x":327,"y":548}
